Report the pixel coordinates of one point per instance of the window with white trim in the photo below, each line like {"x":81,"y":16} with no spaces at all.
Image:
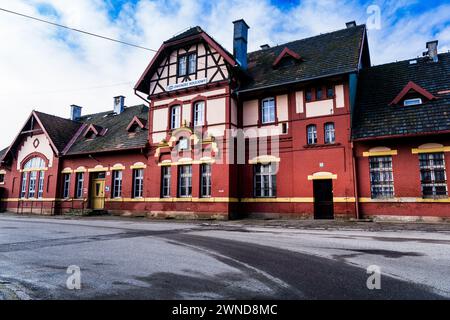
{"x":205,"y":183}
{"x":311,"y":131}
{"x":381,"y":177}
{"x":268,"y":110}
{"x":138,"y":183}
{"x":79,"y":185}
{"x":265,"y":180}
{"x":175,"y":117}
{"x":23,"y":188}
{"x":192,"y":63}
{"x":182,"y":66}
{"x":165,"y":181}
{"x":117,"y":184}
{"x":199,"y":113}
{"x":32,"y":184}
{"x":432,"y":175}
{"x":185,"y":181}
{"x":412,"y":102}
{"x":329,"y":133}
{"x":41,"y":184}
{"x":66,"y":185}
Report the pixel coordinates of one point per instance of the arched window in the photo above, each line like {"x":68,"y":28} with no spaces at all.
{"x":311,"y":134}
{"x":33,"y":178}
{"x":329,"y":133}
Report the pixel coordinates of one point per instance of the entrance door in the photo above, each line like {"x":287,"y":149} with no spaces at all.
{"x":323,"y":199}
{"x":98,"y":194}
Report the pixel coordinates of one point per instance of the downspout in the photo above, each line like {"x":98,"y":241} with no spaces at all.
{"x":355,"y":183}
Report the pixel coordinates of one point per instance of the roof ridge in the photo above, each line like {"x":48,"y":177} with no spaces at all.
{"x":55,"y":116}
{"x":405,"y":60}
{"x":112,"y":111}
{"x":308,"y":38}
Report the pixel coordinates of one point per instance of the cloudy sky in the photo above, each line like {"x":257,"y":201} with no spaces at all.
{"x":48,"y":68}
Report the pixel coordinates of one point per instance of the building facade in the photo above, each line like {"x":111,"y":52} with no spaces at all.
{"x":304,"y":129}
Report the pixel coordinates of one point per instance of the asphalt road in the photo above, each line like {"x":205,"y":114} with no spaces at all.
{"x":125,"y":259}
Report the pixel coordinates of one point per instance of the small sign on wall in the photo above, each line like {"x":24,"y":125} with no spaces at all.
{"x":187,"y":84}
{"x":107,"y":189}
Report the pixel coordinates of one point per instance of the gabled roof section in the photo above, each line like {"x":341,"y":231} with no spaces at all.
{"x":141,"y":123}
{"x":192,"y":34}
{"x":412,"y":86}
{"x":325,"y":55}
{"x":377,"y":86}
{"x":114,"y":127}
{"x":286,"y":53}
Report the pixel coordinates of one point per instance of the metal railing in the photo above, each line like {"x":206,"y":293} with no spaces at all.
{"x":53,"y":207}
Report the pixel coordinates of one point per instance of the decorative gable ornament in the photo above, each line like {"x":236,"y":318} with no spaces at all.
{"x":411,"y":86}
{"x":286,"y":53}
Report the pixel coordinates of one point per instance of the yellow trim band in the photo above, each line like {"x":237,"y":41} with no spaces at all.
{"x":380,"y":153}
{"x":323,"y":177}
{"x":430,"y":150}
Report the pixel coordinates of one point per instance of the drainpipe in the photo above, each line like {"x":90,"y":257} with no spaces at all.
{"x":355,"y":183}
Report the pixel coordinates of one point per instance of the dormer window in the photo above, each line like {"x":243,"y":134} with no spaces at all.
{"x":412,"y":102}
{"x":187,"y":64}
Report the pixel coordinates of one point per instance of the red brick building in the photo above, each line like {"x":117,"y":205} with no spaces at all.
{"x":303,"y":129}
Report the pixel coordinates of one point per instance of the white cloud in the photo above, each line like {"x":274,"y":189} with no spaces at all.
{"x":47,"y":68}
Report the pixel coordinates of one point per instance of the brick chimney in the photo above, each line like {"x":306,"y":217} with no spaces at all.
{"x":75,"y":112}
{"x":432,"y":51}
{"x":119,"y":104}
{"x":240,"y":42}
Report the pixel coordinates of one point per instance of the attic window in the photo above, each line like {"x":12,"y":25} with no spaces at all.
{"x":94,"y":131}
{"x":409,"y":95}
{"x":90,"y":135}
{"x":286,"y":53}
{"x":135,"y":124}
{"x":412,"y":102}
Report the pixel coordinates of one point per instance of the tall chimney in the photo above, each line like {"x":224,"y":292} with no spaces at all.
{"x":75,"y":112}
{"x":119,"y":104}
{"x":240,"y":42}
{"x":432,"y":52}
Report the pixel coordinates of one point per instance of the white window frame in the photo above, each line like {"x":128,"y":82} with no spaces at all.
{"x":192,"y":63}
{"x":185,"y":181}
{"x":330,"y":133}
{"x":265,"y":180}
{"x":412,"y":102}
{"x":23,"y":187}
{"x":206,"y":181}
{"x":175,"y":117}
{"x":268,"y":110}
{"x":166,"y":180}
{"x":79,"y":185}
{"x":182,"y":66}
{"x":41,"y":184}
{"x":117,"y":184}
{"x":311,"y":133}
{"x":138,"y":183}
{"x":431,"y":166}
{"x":66,"y":185}
{"x":32,"y":185}
{"x":381,"y":177}
{"x":199,"y":113}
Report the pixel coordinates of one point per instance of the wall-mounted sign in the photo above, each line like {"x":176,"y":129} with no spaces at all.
{"x":188,"y":84}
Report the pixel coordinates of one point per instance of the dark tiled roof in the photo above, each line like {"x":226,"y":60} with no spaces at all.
{"x":2,"y":153}
{"x":59,"y":129}
{"x":379,"y":85}
{"x":191,"y":32}
{"x":116,"y":136}
{"x":327,"y":54}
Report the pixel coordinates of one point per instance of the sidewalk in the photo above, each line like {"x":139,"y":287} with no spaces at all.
{"x":276,"y":223}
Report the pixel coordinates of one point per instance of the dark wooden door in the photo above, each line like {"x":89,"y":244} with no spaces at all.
{"x":323,"y":199}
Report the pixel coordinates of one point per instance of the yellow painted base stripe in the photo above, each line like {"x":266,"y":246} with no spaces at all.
{"x":404,"y":200}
